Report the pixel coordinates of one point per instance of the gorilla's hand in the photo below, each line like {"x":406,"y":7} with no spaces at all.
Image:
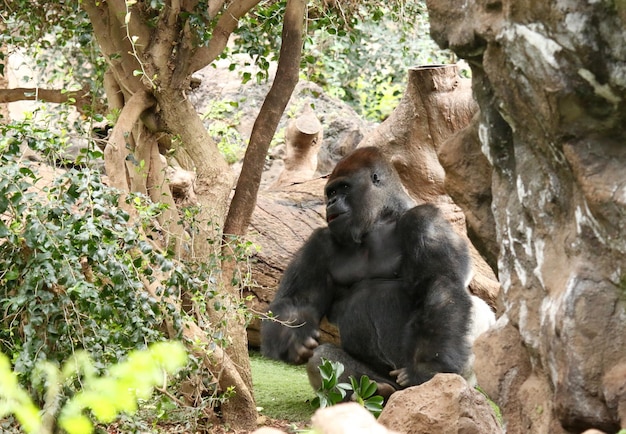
{"x":402,"y":377}
{"x":298,"y":343}
{"x":304,"y":350}
{"x":292,"y":337}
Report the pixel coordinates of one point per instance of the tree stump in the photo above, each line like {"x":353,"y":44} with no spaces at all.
{"x":303,"y":139}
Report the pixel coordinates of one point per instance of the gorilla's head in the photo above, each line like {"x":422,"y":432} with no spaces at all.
{"x":364,"y":189}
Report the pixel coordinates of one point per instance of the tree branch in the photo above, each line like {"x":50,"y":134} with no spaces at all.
{"x":226,"y":24}
{"x":81,"y":99}
{"x":215,"y":360}
{"x":116,"y":151}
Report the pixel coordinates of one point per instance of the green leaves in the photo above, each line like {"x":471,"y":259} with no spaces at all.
{"x":126,"y":382}
{"x":364,"y":391}
{"x":332,"y":392}
{"x":15,"y":400}
{"x":73,"y":266}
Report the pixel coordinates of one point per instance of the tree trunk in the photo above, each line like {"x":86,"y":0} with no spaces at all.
{"x":214,"y":179}
{"x":4,"y":82}
{"x":436,"y":104}
{"x":244,"y":200}
{"x":163,"y":55}
{"x":266,"y":123}
{"x":303,"y":139}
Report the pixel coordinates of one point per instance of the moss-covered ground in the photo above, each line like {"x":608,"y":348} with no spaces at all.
{"x":281,"y":390}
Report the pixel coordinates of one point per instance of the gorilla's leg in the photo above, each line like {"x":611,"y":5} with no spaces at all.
{"x":352,"y":367}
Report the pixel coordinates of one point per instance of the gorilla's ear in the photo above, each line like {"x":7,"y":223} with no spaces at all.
{"x":375,"y":178}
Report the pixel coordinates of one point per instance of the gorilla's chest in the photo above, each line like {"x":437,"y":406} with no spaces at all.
{"x":377,"y":257}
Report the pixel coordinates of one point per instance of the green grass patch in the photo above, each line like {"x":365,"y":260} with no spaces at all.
{"x":282,"y":390}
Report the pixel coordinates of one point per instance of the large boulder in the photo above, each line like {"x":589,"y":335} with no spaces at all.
{"x":444,"y":405}
{"x":549,"y":77}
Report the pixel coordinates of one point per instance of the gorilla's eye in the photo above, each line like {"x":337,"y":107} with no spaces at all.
{"x":375,"y":179}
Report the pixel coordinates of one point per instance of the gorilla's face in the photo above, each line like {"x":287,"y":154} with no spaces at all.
{"x":362,"y":190}
{"x":345,"y":215}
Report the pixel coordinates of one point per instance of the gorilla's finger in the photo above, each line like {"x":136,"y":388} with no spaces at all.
{"x":403,"y":379}
{"x":303,"y":354}
{"x":310,"y":343}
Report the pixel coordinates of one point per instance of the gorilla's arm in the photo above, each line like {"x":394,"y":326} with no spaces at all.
{"x":437,"y":268}
{"x":303,"y":298}
{"x":436,"y":337}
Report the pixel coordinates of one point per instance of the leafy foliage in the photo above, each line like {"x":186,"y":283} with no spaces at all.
{"x":363,"y":57}
{"x":105,"y":396}
{"x":224,"y":116}
{"x":74,"y":266}
{"x":55,"y":45}
{"x":357,"y":51}
{"x":332,"y":392}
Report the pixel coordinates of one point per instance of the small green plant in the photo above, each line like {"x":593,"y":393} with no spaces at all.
{"x":493,"y":405}
{"x":365,"y":394}
{"x":104,"y":396}
{"x":332,"y":392}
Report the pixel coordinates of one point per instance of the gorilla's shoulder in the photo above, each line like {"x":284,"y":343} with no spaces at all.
{"x":421,"y":216}
{"x":321,"y":239}
{"x":425,"y":210}
{"x":317,"y":249}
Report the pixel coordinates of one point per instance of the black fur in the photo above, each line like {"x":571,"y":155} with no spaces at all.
{"x":391,"y":276}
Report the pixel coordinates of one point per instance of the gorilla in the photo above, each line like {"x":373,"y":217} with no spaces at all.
{"x":392,"y":276}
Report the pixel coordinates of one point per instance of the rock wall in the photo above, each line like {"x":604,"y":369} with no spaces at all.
{"x":550,"y":79}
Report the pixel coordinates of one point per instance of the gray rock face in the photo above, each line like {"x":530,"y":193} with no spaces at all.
{"x":550,"y":80}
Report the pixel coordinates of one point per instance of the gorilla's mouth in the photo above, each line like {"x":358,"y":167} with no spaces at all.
{"x":331,"y":217}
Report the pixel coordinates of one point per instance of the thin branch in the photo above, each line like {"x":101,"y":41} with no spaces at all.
{"x":244,"y":200}
{"x":81,"y":99}
{"x":225,"y":26}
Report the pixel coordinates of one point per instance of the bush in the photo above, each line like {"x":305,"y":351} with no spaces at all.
{"x":74,"y":265}
{"x":104,"y":396}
